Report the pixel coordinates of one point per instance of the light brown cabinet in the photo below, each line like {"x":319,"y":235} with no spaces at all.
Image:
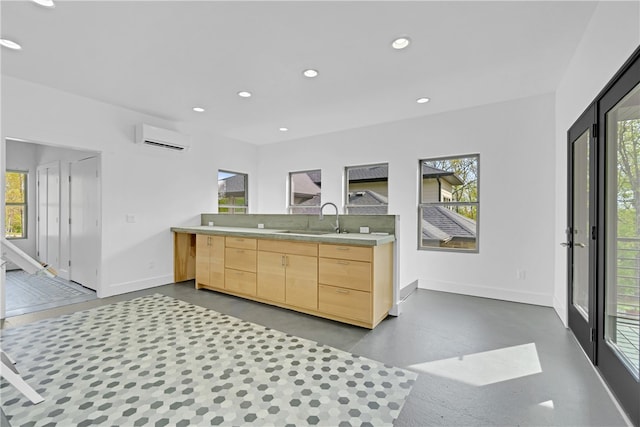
{"x":240,"y":265}
{"x":355,"y":282}
{"x":209,"y":262}
{"x":351,"y":284}
{"x":288,"y":273}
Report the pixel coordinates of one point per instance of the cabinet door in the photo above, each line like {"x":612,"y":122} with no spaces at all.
{"x":345,"y":303}
{"x":302,"y":281}
{"x":344,"y":273}
{"x":242,"y":282}
{"x":240,"y":259}
{"x":271,"y":276}
{"x":203,"y":251}
{"x":216,"y":262}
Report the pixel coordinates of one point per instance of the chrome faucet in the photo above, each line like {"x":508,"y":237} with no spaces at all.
{"x":321,"y":216}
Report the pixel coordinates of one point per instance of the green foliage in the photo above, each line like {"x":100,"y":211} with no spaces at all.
{"x":15,"y":201}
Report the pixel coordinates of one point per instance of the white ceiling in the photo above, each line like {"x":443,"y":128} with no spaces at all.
{"x":165,"y":57}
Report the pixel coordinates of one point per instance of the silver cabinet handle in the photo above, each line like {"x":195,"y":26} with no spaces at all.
{"x":342,"y":248}
{"x":282,"y":260}
{"x":580,"y":245}
{"x":342,"y":262}
{"x":342,"y":291}
{"x":565,"y":244}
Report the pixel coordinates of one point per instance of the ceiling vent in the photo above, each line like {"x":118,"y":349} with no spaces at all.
{"x":161,"y":138}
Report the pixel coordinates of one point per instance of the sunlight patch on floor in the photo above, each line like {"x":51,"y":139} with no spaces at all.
{"x":488,"y":367}
{"x":547,"y":404}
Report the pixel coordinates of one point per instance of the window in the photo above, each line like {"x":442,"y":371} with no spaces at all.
{"x":367,"y":189}
{"x":304,"y":192}
{"x":449,"y":203}
{"x":16,"y":205}
{"x":232,"y":192}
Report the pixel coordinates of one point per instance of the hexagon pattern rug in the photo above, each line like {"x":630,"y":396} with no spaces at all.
{"x":159,"y":361}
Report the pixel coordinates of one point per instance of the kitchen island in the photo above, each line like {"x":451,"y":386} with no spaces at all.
{"x":347,"y":277}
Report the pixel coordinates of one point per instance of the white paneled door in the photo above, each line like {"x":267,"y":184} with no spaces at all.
{"x":85,"y":222}
{"x":49,"y":214}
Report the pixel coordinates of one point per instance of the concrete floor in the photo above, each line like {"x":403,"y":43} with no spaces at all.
{"x":481,"y":361}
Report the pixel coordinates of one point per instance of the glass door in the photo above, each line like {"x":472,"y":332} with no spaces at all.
{"x":580,"y":231}
{"x":619,"y":239}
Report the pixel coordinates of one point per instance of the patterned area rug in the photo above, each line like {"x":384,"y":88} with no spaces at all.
{"x":26,"y":293}
{"x":160,"y":361}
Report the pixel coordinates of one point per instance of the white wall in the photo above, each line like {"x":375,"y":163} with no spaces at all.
{"x":515,"y":141}
{"x":609,"y":40}
{"x":161,"y":188}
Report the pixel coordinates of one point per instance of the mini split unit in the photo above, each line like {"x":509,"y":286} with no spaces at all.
{"x":161,"y":138}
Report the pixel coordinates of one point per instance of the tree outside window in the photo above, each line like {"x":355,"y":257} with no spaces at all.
{"x":232,"y":192}
{"x":16,"y":205}
{"x":449,"y":203}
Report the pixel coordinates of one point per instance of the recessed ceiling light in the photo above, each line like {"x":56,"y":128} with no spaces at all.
{"x":10,"y":44}
{"x":284,"y":129}
{"x":198,"y":109}
{"x":310,"y":73}
{"x":422,"y":100}
{"x":45,"y":3}
{"x":400,"y":43}
{"x":244,"y":94}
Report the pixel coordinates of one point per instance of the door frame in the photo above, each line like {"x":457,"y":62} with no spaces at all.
{"x":620,"y":380}
{"x":583,"y":331}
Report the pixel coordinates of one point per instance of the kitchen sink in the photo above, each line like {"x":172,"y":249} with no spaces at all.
{"x":305,"y":232}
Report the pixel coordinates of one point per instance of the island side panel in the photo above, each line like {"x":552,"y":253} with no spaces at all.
{"x":184,"y":256}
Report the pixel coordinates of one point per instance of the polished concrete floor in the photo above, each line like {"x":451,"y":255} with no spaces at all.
{"x":480,"y":361}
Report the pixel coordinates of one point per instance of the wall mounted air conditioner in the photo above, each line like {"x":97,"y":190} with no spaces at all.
{"x":162,"y":138}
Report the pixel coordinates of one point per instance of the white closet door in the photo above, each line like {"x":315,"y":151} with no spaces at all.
{"x":85,"y":222}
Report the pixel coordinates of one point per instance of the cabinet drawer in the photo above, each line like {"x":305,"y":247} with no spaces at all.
{"x":294,"y":248}
{"x":344,"y":302}
{"x":240,"y":242}
{"x":355,"y":253}
{"x":240,"y":259}
{"x":240,"y":281}
{"x":345,"y":273}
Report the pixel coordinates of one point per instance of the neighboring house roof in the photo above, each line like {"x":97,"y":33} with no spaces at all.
{"x":366,"y":197}
{"x":430,"y":172}
{"x":367,"y":202}
{"x":440,"y":223}
{"x":303,"y":185}
{"x":314,"y":201}
{"x":233,"y":184}
{"x":370,"y":173}
{"x":316,"y":177}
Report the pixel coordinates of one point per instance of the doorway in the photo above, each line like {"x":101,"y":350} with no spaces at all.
{"x":604,"y":234}
{"x":50,"y":237}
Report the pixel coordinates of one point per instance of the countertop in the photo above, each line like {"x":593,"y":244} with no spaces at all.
{"x":355,"y":239}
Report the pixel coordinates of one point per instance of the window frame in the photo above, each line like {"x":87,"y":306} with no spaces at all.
{"x":291,"y":206}
{"x":25,"y":205}
{"x":346,"y":188}
{"x":232,"y":208}
{"x":422,"y":204}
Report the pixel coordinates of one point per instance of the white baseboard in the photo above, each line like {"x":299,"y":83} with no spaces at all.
{"x":136,"y":285}
{"x":487,"y":292}
{"x":561,"y":311}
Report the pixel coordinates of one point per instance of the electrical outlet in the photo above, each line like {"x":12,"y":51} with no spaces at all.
{"x":260,"y":225}
{"x":210,"y":223}
{"x":131,"y":218}
{"x":521,"y":274}
{"x":364,"y":230}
